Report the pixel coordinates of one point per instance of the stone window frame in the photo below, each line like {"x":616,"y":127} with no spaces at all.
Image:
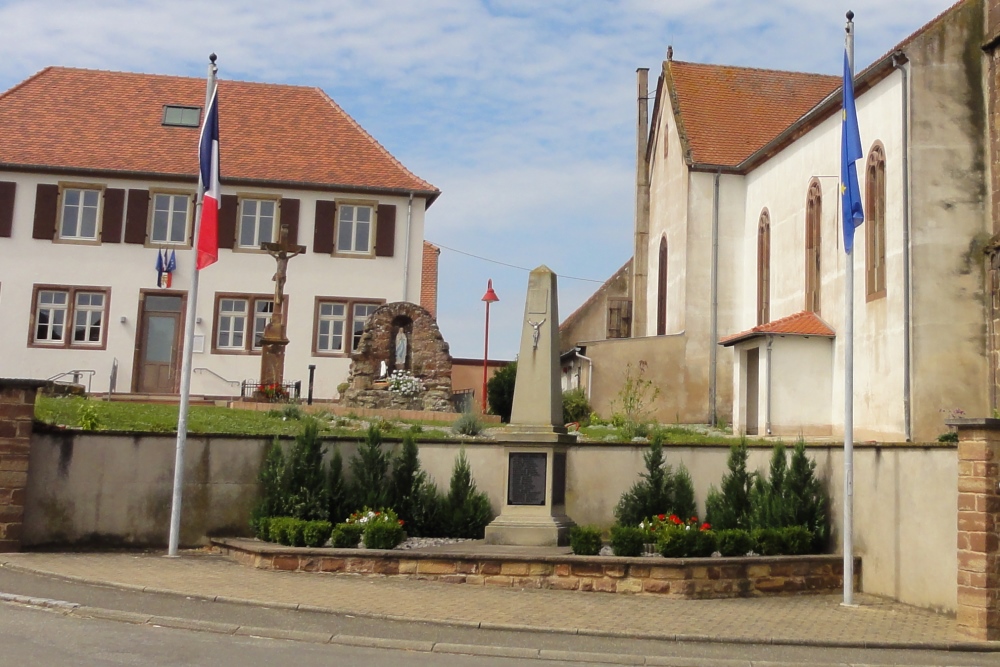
{"x":875,"y":285}
{"x":188,"y":225}
{"x":348,"y":302}
{"x":250,"y":345}
{"x":764,"y":267}
{"x":99,"y":188}
{"x":368,"y":253}
{"x":69,"y":323}
{"x":242,"y":199}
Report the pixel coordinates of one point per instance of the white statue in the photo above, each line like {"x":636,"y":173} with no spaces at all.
{"x":382,"y":369}
{"x":400,"y":349}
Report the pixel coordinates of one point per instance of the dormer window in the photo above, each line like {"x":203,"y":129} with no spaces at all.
{"x":179,"y":116}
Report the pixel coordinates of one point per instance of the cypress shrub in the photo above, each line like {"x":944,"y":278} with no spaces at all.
{"x":271,"y":492}
{"x":369,"y":473}
{"x":807,"y":497}
{"x":652,"y":494}
{"x":338,"y":506}
{"x":500,"y":391}
{"x":770,"y":505}
{"x":731,"y":508}
{"x":683,"y":502}
{"x":468,"y":509}
{"x":304,"y":477}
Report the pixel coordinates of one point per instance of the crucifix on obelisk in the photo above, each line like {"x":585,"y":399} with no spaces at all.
{"x":272,"y":362}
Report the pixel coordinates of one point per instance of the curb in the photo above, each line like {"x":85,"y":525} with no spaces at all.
{"x":72,"y":608}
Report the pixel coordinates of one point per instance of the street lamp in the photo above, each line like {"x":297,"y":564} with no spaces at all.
{"x":489,"y":297}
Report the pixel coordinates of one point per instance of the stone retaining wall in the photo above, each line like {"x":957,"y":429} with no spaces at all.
{"x":692,"y":578}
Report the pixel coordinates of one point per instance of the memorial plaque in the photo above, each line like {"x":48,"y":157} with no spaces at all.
{"x":559,"y":478}
{"x":526,"y":479}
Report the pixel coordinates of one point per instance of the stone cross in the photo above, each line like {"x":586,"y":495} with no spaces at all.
{"x":282,"y":251}
{"x":272,"y":358}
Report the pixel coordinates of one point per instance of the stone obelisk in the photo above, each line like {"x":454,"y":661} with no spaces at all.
{"x":534,"y":509}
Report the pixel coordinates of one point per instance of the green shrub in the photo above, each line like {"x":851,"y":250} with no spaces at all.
{"x":261,"y":527}
{"x":88,"y":417}
{"x":576,"y":407}
{"x":288,"y":531}
{"x":304,"y":477}
{"x":316,"y":533}
{"x":730,"y":508}
{"x":278,"y":530}
{"x":768,"y":541}
{"x":683,"y":504}
{"x":500,"y":391}
{"x":797,"y":540}
{"x":468,"y":509}
{"x":413,"y":495}
{"x":585,"y":540}
{"x":337,"y":503}
{"x":382,"y":535}
{"x":346,"y":535}
{"x":369,"y":472}
{"x":468,"y":424}
{"x":652,"y":494}
{"x":769,"y":502}
{"x":733,"y":542}
{"x":296,"y":532}
{"x":628,"y":540}
{"x":686,"y":542}
{"x":429,"y":516}
{"x":807,"y":497}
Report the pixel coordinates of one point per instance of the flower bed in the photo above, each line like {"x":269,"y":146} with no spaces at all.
{"x":687,"y":578}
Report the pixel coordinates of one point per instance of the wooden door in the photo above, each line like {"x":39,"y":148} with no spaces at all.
{"x":753,"y":390}
{"x":159,"y":344}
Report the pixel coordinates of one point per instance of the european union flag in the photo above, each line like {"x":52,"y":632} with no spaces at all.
{"x":850,"y":152}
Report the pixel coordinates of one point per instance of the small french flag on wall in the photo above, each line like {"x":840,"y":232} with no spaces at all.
{"x":208,"y":156}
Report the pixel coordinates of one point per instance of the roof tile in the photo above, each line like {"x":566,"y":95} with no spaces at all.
{"x":804,"y":323}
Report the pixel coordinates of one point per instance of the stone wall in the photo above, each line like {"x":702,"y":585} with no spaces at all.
{"x":17,"y":410}
{"x":685,"y":578}
{"x":427,"y":358}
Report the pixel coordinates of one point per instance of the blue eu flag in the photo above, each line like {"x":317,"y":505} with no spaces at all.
{"x":850,"y":151}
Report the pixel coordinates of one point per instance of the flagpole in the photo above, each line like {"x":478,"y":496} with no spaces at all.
{"x":849,"y":381}
{"x":189,"y":320}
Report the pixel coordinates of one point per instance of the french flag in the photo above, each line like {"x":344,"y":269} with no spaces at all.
{"x":208,"y":156}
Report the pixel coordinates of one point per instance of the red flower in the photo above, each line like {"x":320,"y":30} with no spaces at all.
{"x":401,"y":522}
{"x":675,"y":519}
{"x":705,"y":526}
{"x":661,"y":517}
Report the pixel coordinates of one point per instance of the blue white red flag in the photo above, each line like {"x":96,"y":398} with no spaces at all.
{"x":208,"y":157}
{"x":159,"y":268}
{"x":850,"y":152}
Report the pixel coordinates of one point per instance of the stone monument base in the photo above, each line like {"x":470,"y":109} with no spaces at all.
{"x":541,"y":531}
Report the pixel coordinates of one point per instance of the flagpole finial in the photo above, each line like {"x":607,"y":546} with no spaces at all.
{"x":850,"y":15}
{"x":213,"y":57}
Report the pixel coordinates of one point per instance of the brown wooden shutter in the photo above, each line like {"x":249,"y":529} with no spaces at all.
{"x":326,"y":213}
{"x":228,"y":213}
{"x":290,"y":217}
{"x":136,"y":216}
{"x":111,"y":220}
{"x":626,"y":318}
{"x":7,"y":190}
{"x":46,"y":211}
{"x":385,"y":231}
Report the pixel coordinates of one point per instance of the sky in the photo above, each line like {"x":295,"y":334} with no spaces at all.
{"x":522,"y":112}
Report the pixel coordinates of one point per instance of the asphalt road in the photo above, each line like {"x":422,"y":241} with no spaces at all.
{"x":57,"y":639}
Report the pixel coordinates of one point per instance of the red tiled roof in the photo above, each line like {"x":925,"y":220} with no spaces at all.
{"x":727,"y":113}
{"x":800,"y":324}
{"x":64,"y":118}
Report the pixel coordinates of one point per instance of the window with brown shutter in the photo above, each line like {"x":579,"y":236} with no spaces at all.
{"x":228,"y":212}
{"x":385,"y":231}
{"x":289,"y":215}
{"x":814,"y":216}
{"x":875,"y":287}
{"x":46,"y":210}
{"x":764,"y":268}
{"x":136,"y":216}
{"x":619,"y":318}
{"x":114,"y":209}
{"x":326,"y":212}
{"x":7,"y":190}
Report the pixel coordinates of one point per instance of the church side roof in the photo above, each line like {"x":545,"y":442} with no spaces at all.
{"x":67,"y":119}
{"x":728,"y":113}
{"x":804,"y":323}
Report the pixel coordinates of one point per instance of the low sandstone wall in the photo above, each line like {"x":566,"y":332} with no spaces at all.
{"x":684,"y":578}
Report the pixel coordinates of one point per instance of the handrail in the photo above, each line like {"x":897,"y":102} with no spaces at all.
{"x":234,"y":383}
{"x":76,"y":376}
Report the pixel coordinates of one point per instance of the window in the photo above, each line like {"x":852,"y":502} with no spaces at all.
{"x":661,"y":290}
{"x":79,"y":214}
{"x":240,"y":320}
{"x":170,"y":218}
{"x":619,"y":318}
{"x":875,"y":223}
{"x":69,"y":317}
{"x":257,"y":217}
{"x":764,"y":268}
{"x":181,"y":116}
{"x":339,"y":323}
{"x":354,"y":228}
{"x":814,"y":216}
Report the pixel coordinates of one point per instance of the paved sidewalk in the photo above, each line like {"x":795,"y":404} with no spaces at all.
{"x":805,"y":620}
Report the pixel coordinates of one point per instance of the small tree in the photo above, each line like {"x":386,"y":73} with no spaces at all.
{"x":468,"y":508}
{"x":369,"y":473}
{"x":684,"y":504}
{"x":653,"y":493}
{"x":731,"y":507}
{"x":576,"y":407}
{"x":500,"y":391}
{"x":413,"y":496}
{"x":336,"y":489}
{"x":304,"y":476}
{"x":271,"y":491}
{"x":806,"y":496}
{"x":769,"y":499}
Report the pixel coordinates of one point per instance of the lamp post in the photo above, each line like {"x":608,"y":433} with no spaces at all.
{"x":489,"y":297}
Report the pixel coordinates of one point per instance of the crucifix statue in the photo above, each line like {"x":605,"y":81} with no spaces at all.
{"x":272,"y":358}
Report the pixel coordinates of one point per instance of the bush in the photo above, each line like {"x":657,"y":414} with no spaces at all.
{"x":807,"y":497}
{"x":278,"y":530}
{"x":261,"y":528}
{"x":585,"y":540}
{"x":88,"y":417}
{"x":652,"y":494}
{"x":500,"y":391}
{"x":686,"y":542}
{"x":337,"y":503}
{"x":382,"y":535}
{"x":304,"y":478}
{"x":769,"y":502}
{"x":468,"y":424}
{"x":683,"y":501}
{"x":628,"y":540}
{"x":288,"y":531}
{"x":797,"y":540}
{"x":271,"y":501}
{"x":346,"y":535}
{"x":576,"y":407}
{"x":316,"y":533}
{"x":768,"y":541}
{"x":413,"y":495}
{"x":369,"y":472}
{"x":733,"y":542}
{"x":468,"y":509}
{"x":731,"y":507}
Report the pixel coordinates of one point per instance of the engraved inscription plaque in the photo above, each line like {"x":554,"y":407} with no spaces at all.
{"x":526,"y":479}
{"x":538,"y":301}
{"x":559,"y":478}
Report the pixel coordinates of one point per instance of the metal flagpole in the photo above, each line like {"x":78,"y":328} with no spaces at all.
{"x":189,"y":318}
{"x":849,"y":379}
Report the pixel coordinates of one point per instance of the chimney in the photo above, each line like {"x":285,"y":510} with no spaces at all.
{"x":429,"y":278}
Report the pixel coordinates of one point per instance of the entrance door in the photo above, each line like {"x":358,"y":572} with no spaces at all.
{"x":753,"y":394}
{"x":159,"y":344}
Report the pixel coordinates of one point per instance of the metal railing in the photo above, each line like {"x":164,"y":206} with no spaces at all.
{"x":274,"y":393}
{"x":231,"y":383}
{"x":75,"y":374}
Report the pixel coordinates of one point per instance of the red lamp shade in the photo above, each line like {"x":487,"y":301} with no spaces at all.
{"x":490,"y":296}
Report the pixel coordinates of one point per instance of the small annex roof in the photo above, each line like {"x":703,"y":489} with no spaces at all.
{"x":805,"y":323}
{"x":725,"y":113}
{"x":79,"y":120}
